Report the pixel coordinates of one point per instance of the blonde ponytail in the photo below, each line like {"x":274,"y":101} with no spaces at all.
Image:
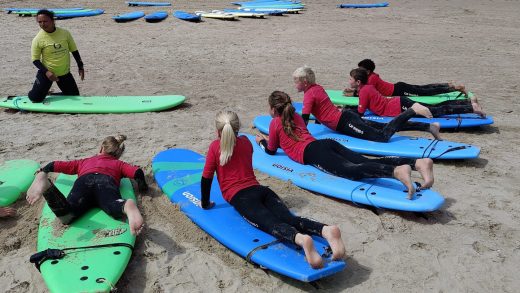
{"x":227,"y":124}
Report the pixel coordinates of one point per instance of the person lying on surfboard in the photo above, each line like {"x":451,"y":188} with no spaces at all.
{"x":7,"y":212}
{"x":289,"y":132}
{"x":50,"y":52}
{"x":230,"y":156}
{"x":97,"y":185}
{"x":317,"y":102}
{"x":403,"y":89}
{"x":371,"y":99}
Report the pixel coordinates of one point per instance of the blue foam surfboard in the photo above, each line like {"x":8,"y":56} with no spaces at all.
{"x":9,"y":10}
{"x":268,"y":12}
{"x":402,"y":146}
{"x":156,"y":16}
{"x":80,"y":13}
{"x":178,"y":173}
{"x":137,"y":3}
{"x":374,"y":5}
{"x":447,"y":121}
{"x":186,"y":16}
{"x":381,"y":192}
{"x":128,"y":16}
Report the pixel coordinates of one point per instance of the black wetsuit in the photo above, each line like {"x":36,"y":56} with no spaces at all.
{"x":444,"y":108}
{"x":405,"y":89}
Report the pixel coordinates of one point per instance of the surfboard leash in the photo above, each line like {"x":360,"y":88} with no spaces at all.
{"x":54,"y":253}
{"x":263,"y":246}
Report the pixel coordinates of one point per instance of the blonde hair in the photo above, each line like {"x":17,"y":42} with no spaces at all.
{"x":228,"y":125}
{"x":305,"y":73}
{"x":114,"y":146}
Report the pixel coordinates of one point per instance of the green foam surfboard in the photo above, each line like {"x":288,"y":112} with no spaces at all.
{"x":94,"y":104}
{"x":337,"y":97}
{"x":15,"y":178}
{"x":85,"y":270}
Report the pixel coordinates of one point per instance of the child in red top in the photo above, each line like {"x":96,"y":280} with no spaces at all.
{"x":370,"y":99}
{"x":317,"y":102}
{"x":230,"y":156}
{"x":329,"y":155}
{"x":97,"y":185}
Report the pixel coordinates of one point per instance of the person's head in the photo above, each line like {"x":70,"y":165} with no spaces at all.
{"x":113,"y":146}
{"x":368,"y":65}
{"x":358,"y":76}
{"x":228,"y":125}
{"x":303,"y":78}
{"x":45,"y":19}
{"x":280,"y":105}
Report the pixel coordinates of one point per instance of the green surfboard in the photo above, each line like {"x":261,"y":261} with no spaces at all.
{"x":15,"y":178}
{"x":85,"y":270}
{"x":337,"y":97}
{"x":94,"y":104}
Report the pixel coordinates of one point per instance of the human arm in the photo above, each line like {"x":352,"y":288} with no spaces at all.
{"x":77,"y":57}
{"x":205,"y":191}
{"x":141,"y":181}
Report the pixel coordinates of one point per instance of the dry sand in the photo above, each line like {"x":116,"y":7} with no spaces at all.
{"x":471,"y":245}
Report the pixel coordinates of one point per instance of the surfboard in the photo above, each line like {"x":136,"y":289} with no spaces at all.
{"x":86,"y":270}
{"x":178,"y":173}
{"x":9,"y":10}
{"x":242,"y":13}
{"x":186,"y":16}
{"x":381,"y":192}
{"x":79,"y":13}
{"x":374,"y":5}
{"x":128,"y":16}
{"x":274,"y":5}
{"x":136,"y":3}
{"x":446,"y":121}
{"x":270,"y":11}
{"x":259,"y":11}
{"x":337,"y":98}
{"x":94,"y":104}
{"x":402,"y":146}
{"x":15,"y":178}
{"x":219,"y":15}
{"x":156,"y":16}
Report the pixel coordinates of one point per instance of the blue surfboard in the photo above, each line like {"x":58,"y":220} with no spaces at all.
{"x":381,"y":192}
{"x":137,"y":3}
{"x":178,"y":173}
{"x":374,"y":5}
{"x":80,"y":13}
{"x":156,"y":16}
{"x":128,"y":16}
{"x":447,"y":121}
{"x":9,"y":10}
{"x":186,"y":16}
{"x":402,"y":146}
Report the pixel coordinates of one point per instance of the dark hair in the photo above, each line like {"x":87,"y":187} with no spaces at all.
{"x":282,"y":105}
{"x":367,"y":64}
{"x":49,"y":13}
{"x":359,"y":74}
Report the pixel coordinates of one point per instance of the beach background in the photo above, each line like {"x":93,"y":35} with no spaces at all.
{"x":472,"y":244}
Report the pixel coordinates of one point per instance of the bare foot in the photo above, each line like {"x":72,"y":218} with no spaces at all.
{"x":477,"y":109}
{"x":425,"y":168}
{"x":312,"y":256}
{"x":403,"y":174}
{"x":422,"y":110}
{"x":461,"y":88}
{"x":435,"y":130}
{"x":7,"y":212}
{"x":333,"y":235}
{"x":135,"y":220}
{"x":38,"y":187}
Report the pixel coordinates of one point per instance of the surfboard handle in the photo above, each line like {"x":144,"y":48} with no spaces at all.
{"x":263,"y":246}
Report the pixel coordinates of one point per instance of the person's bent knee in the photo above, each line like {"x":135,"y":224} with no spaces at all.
{"x":36,"y":97}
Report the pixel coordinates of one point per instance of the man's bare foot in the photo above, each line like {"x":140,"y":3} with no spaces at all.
{"x":39,"y":185}
{"x":312,"y":256}
{"x":403,"y":173}
{"x":460,"y":87}
{"x":7,"y":212}
{"x":422,"y":110}
{"x":425,"y":168}
{"x":435,"y":130}
{"x":333,"y":235}
{"x":477,"y":109}
{"x":135,"y":220}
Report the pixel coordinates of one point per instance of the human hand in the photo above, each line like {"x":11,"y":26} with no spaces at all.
{"x":259,"y":138}
{"x":348,"y":92}
{"x":51,"y":76}
{"x":211,"y":204}
{"x":82,"y":73}
{"x":7,"y":212}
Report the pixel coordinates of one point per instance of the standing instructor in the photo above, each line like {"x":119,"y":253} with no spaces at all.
{"x":50,"y":54}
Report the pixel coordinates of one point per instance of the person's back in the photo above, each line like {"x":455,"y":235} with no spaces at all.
{"x":371,"y":99}
{"x":383,"y":87}
{"x":317,"y":102}
{"x":294,"y":148}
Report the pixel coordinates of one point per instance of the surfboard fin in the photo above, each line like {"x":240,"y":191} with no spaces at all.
{"x":58,"y":204}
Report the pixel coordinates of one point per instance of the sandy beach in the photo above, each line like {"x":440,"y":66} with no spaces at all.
{"x":472,"y":244}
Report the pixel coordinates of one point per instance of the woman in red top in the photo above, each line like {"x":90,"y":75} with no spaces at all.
{"x":230,"y":156}
{"x":288,"y":131}
{"x":97,"y":185}
{"x":371,"y":99}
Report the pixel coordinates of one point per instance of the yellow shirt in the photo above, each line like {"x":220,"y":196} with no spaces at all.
{"x":53,"y":50}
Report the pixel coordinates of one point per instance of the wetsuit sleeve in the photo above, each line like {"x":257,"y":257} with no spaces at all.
{"x":205,"y":190}
{"x":141,"y":181}
{"x":264,"y":146}
{"x":48,"y":168}
{"x":273,"y":144}
{"x":363,"y":102}
{"x":70,"y":167}
{"x":77,"y":57}
{"x":306,"y":118}
{"x":39,"y":65}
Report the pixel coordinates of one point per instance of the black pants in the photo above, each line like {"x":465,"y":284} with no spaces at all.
{"x":444,"y":108}
{"x":404,"y":89}
{"x":42,"y":85}
{"x":96,"y":190}
{"x":330,"y":156}
{"x":261,"y":207}
{"x":351,"y":124}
